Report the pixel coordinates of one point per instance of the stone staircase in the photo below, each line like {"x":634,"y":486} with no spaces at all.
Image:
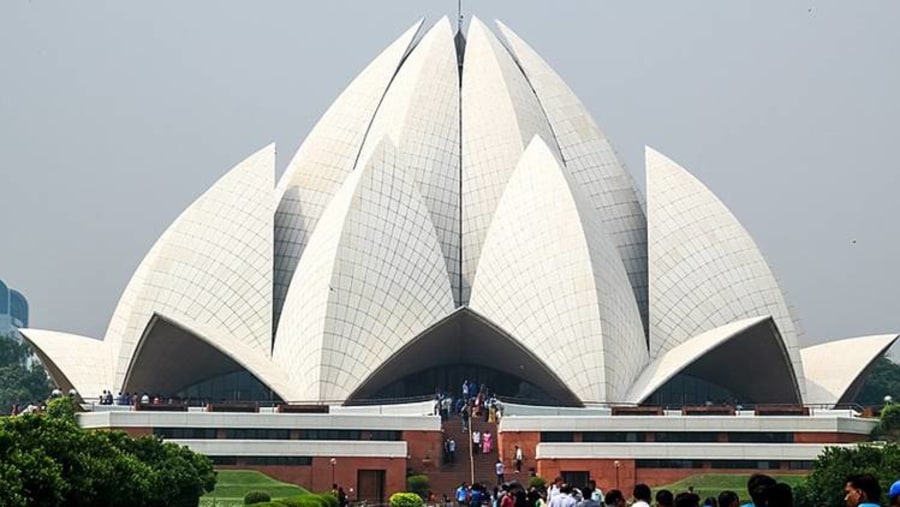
{"x":447,"y":476}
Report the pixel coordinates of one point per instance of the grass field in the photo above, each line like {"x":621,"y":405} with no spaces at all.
{"x":232,"y":485}
{"x":707,"y":485}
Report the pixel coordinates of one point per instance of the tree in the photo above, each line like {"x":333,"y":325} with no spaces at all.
{"x":50,"y":460}
{"x":824,"y":487}
{"x":889,"y":427}
{"x":883,"y":380}
{"x":20,"y":382}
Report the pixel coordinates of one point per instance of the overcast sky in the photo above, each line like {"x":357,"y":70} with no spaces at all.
{"x":114,"y":116}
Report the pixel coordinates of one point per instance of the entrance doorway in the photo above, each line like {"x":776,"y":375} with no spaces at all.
{"x":370,"y":486}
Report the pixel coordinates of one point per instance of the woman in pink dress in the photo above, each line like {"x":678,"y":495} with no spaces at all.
{"x":487,"y":442}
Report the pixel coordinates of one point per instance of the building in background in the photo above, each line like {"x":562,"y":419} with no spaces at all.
{"x":457,"y":215}
{"x":13,"y":312}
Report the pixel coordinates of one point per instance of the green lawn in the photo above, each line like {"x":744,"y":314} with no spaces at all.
{"x":232,"y":485}
{"x":707,"y":485}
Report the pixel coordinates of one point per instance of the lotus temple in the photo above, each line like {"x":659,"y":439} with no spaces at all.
{"x":456,"y":214}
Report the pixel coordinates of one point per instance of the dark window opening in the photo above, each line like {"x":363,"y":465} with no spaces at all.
{"x":668,"y":463}
{"x":235,"y":386}
{"x":330,"y":435}
{"x":771,"y":437}
{"x":450,"y":378}
{"x":261,"y":460}
{"x":745,"y":463}
{"x":683,"y":390}
{"x":612,"y":436}
{"x":578,"y":479}
{"x":185,"y":433}
{"x":557,"y":436}
{"x":257,"y":434}
{"x":686,"y":436}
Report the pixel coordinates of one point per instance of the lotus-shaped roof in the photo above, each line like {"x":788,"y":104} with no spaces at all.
{"x":456,"y":196}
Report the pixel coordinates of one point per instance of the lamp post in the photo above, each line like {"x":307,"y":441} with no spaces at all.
{"x":617,"y":464}
{"x":333,"y":462}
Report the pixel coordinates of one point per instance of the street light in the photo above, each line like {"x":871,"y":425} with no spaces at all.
{"x":888,"y":399}
{"x":333,"y":462}
{"x":617,"y":464}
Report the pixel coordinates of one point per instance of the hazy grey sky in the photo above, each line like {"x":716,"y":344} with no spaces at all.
{"x":115,"y":115}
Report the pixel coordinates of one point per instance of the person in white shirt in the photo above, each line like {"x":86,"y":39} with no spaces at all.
{"x":564,"y":498}
{"x":476,"y":441}
{"x":642,"y":496}
{"x":597,"y":493}
{"x":519,"y":457}
{"x":553,"y":490}
{"x":499,"y":469}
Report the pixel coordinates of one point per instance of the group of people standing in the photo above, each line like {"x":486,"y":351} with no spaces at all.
{"x":107,"y":398}
{"x":474,"y":401}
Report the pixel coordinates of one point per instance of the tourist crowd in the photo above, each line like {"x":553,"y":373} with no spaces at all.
{"x":473,"y":401}
{"x":762,"y":491}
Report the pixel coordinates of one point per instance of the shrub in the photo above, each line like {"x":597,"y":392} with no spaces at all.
{"x":537,"y":482}
{"x":49,"y":460}
{"x":255,"y":497}
{"x":329,"y":500}
{"x":308,"y":500}
{"x":406,"y":500}
{"x":824,"y":487}
{"x":418,"y":484}
{"x":890,"y":421}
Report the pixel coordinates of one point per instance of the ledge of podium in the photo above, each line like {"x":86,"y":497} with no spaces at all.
{"x":781,"y":410}
{"x":637,"y":411}
{"x":301,"y":409}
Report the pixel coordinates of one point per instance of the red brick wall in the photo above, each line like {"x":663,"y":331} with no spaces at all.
{"x":136,"y":432}
{"x":527,"y":440}
{"x":828,"y":438}
{"x":346,"y":469}
{"x":601,"y":470}
{"x":424,"y":449}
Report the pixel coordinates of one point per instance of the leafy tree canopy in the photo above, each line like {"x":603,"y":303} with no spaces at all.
{"x":883,"y":380}
{"x":20,"y":382}
{"x":48,"y":460}
{"x":824,"y":487}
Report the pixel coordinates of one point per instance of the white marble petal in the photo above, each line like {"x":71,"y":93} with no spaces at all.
{"x":663,"y":368}
{"x":500,"y":115}
{"x":591,"y":162}
{"x":833,"y":367}
{"x":73,"y":361}
{"x":372,"y":279}
{"x":212,"y":266}
{"x":420,"y":112}
{"x":551,"y":277}
{"x":705,"y":269}
{"x":326,"y":157}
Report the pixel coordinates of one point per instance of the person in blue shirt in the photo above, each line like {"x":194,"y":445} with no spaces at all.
{"x":894,"y":494}
{"x":461,"y":493}
{"x":862,"y":490}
